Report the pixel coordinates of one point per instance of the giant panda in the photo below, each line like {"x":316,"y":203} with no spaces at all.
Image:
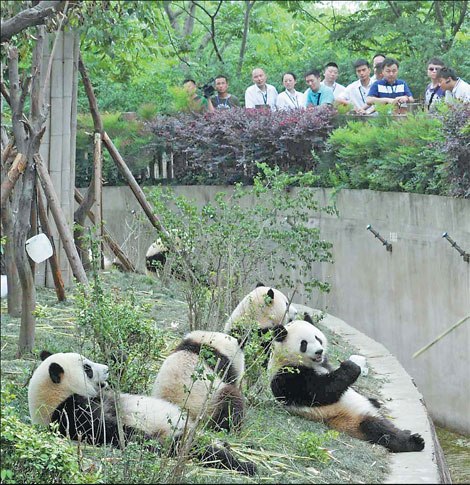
{"x":206,"y":367}
{"x":72,"y":391}
{"x":304,"y":381}
{"x":266,"y":307}
{"x":155,"y":257}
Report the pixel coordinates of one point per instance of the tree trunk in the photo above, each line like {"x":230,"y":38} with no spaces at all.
{"x":248,"y":4}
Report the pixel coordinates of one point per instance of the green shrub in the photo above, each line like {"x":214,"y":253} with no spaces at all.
{"x":30,"y":454}
{"x":389,"y":154}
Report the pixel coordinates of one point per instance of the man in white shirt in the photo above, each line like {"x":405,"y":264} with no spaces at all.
{"x":356,"y":92}
{"x":260,"y":94}
{"x":456,"y":89}
{"x":329,"y":79}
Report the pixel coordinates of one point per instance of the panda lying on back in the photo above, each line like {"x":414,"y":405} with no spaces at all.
{"x":308,"y":386}
{"x":70,"y":390}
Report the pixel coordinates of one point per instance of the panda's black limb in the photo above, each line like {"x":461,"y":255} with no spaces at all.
{"x":381,"y":431}
{"x":229,"y":412}
{"x":220,"y":457}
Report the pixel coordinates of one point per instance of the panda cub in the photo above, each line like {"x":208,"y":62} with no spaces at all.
{"x":205,"y":367}
{"x":71,"y":390}
{"x":155,"y":257}
{"x":307,"y":385}
{"x":267,"y":307}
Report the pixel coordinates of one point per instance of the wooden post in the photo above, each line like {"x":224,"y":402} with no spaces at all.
{"x":56,"y":273}
{"x":60,"y":221}
{"x":97,"y":167}
{"x":108,"y":238}
{"x":17,"y":168}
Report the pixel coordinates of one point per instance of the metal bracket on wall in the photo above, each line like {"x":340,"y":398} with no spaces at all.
{"x":377,"y":235}
{"x":465,"y":255}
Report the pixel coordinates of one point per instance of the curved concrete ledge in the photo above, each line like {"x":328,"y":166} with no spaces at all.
{"x":404,"y":403}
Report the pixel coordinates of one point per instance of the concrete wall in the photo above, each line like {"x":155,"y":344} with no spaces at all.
{"x":402,"y":299}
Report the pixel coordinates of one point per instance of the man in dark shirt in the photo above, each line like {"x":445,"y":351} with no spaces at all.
{"x":222,"y":100}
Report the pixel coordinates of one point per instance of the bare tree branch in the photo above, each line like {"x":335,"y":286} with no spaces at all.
{"x":248,"y":4}
{"x":29,"y":17}
{"x":212,"y":17}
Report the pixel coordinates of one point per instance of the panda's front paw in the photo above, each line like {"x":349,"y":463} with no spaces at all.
{"x":352,"y":369}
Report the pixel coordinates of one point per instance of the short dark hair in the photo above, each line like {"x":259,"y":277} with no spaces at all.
{"x":379,"y":67}
{"x":361,"y":62}
{"x":221,"y":76}
{"x":313,"y":72}
{"x":332,"y":64}
{"x":189,"y":80}
{"x":446,"y":72}
{"x":291,"y":73}
{"x":389,"y":61}
{"x":436,"y":60}
{"x":379,"y":54}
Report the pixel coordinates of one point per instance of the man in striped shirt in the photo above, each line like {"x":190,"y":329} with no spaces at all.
{"x":390,"y":89}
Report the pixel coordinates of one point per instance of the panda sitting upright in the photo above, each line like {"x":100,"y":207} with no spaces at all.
{"x":71,"y":390}
{"x":205,"y":369}
{"x":307,"y":385}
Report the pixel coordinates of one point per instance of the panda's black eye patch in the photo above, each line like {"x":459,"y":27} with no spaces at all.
{"x":88,"y":370}
{"x":303,"y":346}
{"x":319,"y":339}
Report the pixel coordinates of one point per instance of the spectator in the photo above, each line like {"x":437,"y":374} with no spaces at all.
{"x":260,"y":94}
{"x":330,"y":75}
{"x":377,"y":61}
{"x":196,"y":103}
{"x":316,"y":93}
{"x":223,"y":99}
{"x":290,"y":98}
{"x":356,"y":92}
{"x":456,"y":89}
{"x":433,"y":93}
{"x":390,"y":89}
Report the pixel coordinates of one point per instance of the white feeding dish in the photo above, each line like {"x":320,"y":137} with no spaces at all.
{"x":39,"y":248}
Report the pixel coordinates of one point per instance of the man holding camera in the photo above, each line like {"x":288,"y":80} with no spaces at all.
{"x":196,"y":103}
{"x":222,"y":100}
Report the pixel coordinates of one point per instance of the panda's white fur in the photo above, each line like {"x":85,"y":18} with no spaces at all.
{"x":265,"y":305}
{"x":71,"y":390}
{"x":190,"y":380}
{"x":303,"y":380}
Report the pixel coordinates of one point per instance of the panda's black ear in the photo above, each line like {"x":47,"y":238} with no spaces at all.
{"x":279,"y":333}
{"x":308,"y":318}
{"x":44,"y":354}
{"x":270,"y":293}
{"x":56,"y":372}
{"x":259,"y":284}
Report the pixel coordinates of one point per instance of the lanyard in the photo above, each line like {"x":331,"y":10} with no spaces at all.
{"x":318,"y":96}
{"x":223,"y":102}
{"x":265,"y":96}
{"x":294,"y":99}
{"x":363,"y":92}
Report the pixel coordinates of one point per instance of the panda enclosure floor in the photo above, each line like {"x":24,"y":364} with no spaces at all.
{"x":405,"y":405}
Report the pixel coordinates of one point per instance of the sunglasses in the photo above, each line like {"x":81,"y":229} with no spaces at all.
{"x":433,"y":68}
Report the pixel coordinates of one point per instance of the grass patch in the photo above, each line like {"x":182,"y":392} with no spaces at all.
{"x":286,"y":448}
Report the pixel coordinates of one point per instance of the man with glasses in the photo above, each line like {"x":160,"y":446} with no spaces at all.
{"x":434,"y":93}
{"x":390,"y":89}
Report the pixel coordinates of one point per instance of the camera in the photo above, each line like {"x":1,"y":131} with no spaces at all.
{"x":208,"y":90}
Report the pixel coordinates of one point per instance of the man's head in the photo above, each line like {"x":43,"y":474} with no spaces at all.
{"x":362,"y":68}
{"x":313,"y":79}
{"x":259,"y":77}
{"x":288,"y":80}
{"x":331,"y":72}
{"x":190,"y":85}
{"x":447,"y":78}
{"x":377,"y":59}
{"x":434,"y":66}
{"x":390,"y":69}
{"x":221,"y":84}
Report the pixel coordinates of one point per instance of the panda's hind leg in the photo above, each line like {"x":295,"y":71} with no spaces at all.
{"x":381,"y":431}
{"x":229,"y":408}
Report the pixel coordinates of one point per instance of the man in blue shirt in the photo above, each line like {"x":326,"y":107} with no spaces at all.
{"x":317,"y":94}
{"x":390,"y":90}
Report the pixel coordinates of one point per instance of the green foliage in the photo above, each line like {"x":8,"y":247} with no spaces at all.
{"x":126,"y":338}
{"x":390,"y":154}
{"x":313,"y":444}
{"x":30,"y":454}
{"x":240,"y":238}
